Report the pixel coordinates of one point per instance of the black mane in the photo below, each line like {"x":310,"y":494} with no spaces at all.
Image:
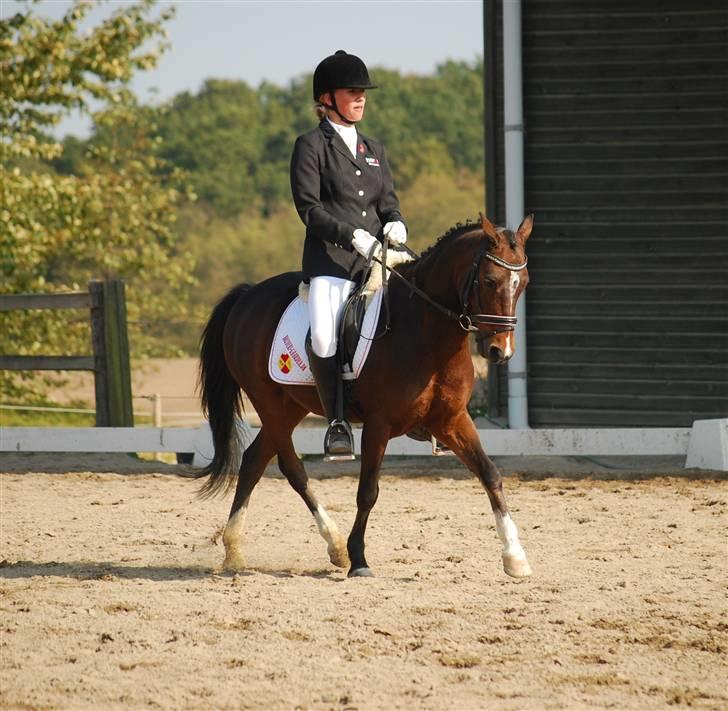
{"x":458,"y":230}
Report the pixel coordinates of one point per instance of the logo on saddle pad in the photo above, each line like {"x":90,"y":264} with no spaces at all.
{"x":286,"y":360}
{"x":284,"y":363}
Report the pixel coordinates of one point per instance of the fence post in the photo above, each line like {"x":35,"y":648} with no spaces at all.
{"x":112,"y":372}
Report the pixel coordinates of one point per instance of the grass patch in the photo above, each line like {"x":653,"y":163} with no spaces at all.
{"x":53,"y":417}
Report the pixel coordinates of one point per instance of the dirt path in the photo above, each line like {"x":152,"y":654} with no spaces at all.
{"x":111,"y":598}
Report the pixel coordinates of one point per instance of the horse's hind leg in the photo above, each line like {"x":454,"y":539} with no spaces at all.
{"x":255,"y":460}
{"x":293,"y":469}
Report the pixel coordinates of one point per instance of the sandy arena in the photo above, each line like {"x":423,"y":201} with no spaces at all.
{"x":112,"y":596}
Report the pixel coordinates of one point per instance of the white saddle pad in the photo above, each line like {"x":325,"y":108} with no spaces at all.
{"x":288,"y":362}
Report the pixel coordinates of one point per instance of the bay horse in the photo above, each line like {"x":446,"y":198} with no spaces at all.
{"x":419,"y":375}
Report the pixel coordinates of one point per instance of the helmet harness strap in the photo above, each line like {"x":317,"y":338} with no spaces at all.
{"x":333,"y":107}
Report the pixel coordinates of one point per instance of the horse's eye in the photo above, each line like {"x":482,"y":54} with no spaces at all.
{"x":490,"y":283}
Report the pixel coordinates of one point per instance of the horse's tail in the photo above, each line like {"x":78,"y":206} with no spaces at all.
{"x":222,"y":401}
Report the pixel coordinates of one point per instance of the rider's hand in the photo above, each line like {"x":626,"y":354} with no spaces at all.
{"x":396,"y":231}
{"x":367,"y":245}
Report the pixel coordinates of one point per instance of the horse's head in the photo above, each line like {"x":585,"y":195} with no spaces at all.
{"x":497,"y":277}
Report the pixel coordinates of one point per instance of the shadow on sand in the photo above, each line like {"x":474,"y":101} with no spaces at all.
{"x":108,"y":571}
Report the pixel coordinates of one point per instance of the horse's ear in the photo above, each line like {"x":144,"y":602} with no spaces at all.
{"x":524,"y":229}
{"x":489,"y":228}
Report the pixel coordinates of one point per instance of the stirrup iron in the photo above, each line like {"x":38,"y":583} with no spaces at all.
{"x":439,"y":449}
{"x":340,"y":430}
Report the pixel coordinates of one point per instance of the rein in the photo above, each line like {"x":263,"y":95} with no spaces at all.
{"x":467,"y":321}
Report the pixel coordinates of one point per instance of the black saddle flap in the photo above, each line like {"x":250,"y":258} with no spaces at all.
{"x":350,"y":327}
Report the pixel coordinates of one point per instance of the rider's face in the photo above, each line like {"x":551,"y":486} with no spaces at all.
{"x":350,"y":102}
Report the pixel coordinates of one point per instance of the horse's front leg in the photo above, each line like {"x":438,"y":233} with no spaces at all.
{"x":373,"y":445}
{"x":462,"y":437}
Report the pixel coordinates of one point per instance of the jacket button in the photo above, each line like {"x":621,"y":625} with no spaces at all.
{"x":358,"y":172}
{"x":363,"y":213}
{"x":361,"y":192}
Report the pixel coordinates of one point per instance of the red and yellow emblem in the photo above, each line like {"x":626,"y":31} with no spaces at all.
{"x":285,"y":363}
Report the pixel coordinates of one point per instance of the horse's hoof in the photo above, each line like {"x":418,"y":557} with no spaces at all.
{"x":339,"y":557}
{"x":233,"y":563}
{"x":361,"y":573}
{"x":516,"y":567}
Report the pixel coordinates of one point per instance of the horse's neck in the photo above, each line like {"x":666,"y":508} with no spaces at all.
{"x":436,"y":336}
{"x":438,"y":282}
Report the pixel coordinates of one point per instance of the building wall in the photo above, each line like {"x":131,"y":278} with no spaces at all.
{"x":626,"y":151}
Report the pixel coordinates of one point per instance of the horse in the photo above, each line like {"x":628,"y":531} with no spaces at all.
{"x":419,"y":374}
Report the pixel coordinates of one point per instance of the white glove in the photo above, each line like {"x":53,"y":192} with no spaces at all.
{"x":396,"y":231}
{"x":367,"y":245}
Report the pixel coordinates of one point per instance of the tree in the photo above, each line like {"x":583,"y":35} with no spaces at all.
{"x":217,"y":137}
{"x":114,"y":216}
{"x":236,"y":141}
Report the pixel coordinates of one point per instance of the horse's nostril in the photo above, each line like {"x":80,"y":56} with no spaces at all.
{"x":495,"y":354}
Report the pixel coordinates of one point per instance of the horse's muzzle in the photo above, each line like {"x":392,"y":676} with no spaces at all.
{"x":497,"y":348}
{"x":496,"y":355}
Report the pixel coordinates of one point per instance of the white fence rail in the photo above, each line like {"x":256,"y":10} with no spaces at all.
{"x":705,"y":444}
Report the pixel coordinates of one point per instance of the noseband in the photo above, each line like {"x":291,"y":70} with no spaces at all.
{"x":470,"y":322}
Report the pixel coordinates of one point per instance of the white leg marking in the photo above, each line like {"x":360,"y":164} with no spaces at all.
{"x":508,"y":533}
{"x":515,"y":562}
{"x":324,"y":522}
{"x":232,"y":538}
{"x":330,"y":532}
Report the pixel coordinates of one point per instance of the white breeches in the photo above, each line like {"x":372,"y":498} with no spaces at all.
{"x":326,"y":299}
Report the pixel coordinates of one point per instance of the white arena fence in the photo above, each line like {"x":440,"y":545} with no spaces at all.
{"x":704,"y":445}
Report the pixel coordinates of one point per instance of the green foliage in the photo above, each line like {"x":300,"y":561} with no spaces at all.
{"x":236,"y":141}
{"x":47,"y":415}
{"x":40,"y":412}
{"x":48,"y":67}
{"x":436,"y":202}
{"x":110,"y":212}
{"x":118,"y":205}
{"x":217,"y":137}
{"x":440,"y":116}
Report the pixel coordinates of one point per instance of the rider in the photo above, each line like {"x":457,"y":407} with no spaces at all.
{"x":343,"y":191}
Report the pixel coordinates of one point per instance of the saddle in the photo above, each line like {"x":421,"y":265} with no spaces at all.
{"x":352,"y":318}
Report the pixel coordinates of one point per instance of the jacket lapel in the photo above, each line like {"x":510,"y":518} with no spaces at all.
{"x":337,"y":141}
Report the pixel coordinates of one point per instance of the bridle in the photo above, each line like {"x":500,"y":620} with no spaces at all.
{"x":470,"y":322}
{"x":466,"y":320}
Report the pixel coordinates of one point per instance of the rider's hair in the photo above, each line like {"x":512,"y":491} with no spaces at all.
{"x":320,"y":110}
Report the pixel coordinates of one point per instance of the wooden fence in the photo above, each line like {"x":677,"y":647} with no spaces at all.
{"x":110,"y":345}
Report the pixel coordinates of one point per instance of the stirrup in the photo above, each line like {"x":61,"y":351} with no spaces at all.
{"x":439,"y":449}
{"x":343,"y":451}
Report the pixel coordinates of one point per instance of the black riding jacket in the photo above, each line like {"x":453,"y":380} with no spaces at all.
{"x":335,"y":194}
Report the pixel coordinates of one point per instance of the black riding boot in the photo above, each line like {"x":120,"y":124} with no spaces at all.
{"x":339,"y":440}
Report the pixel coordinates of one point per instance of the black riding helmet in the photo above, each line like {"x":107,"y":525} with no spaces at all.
{"x":340,"y":71}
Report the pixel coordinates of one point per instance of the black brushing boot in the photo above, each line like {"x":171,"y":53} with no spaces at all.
{"x":339,"y":439}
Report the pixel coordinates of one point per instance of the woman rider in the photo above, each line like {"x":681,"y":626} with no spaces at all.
{"x":343,"y":191}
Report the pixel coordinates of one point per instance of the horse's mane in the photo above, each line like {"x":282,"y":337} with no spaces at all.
{"x":454,"y":232}
{"x":458,"y":230}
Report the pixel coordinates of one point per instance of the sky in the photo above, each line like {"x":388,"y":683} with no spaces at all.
{"x":279,"y":40}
